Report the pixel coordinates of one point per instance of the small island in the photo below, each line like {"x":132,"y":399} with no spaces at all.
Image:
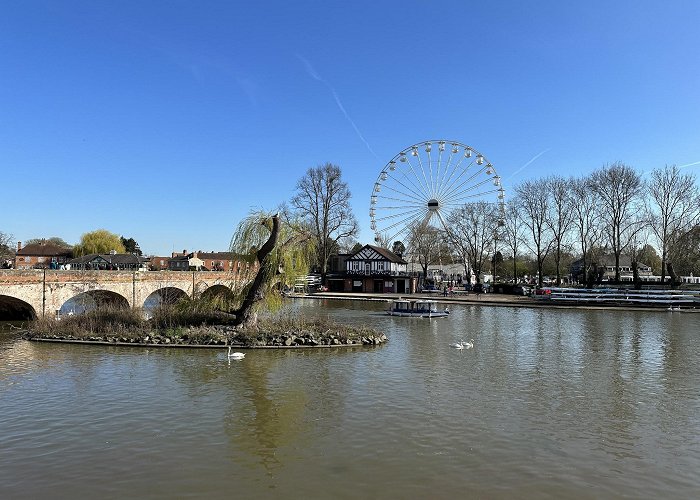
{"x":170,"y":326}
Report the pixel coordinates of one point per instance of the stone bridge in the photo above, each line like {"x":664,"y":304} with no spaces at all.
{"x":38,"y":293}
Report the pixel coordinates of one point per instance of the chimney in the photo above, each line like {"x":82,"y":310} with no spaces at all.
{"x":19,"y":246}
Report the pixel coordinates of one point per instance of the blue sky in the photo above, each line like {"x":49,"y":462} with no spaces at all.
{"x":168,"y":121}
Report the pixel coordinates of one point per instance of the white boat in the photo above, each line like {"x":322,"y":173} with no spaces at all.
{"x":416,"y":309}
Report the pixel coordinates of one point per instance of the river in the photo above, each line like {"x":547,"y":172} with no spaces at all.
{"x":548,"y":404}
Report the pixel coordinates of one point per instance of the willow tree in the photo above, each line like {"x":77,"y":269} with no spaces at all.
{"x":98,"y":241}
{"x":279,"y":251}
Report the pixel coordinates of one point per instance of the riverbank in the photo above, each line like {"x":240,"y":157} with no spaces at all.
{"x":489,"y":299}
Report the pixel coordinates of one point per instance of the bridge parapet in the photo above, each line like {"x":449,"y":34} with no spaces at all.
{"x":47,"y":290}
{"x":17,"y":276}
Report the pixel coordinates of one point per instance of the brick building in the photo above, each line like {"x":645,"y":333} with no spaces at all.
{"x":208,"y":261}
{"x":42,"y":255}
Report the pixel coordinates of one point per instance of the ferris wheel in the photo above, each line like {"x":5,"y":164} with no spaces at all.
{"x":427,"y":181}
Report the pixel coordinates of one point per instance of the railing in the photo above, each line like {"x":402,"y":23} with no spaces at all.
{"x":616,"y":296}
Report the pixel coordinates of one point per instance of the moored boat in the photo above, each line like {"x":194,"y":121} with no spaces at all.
{"x":416,"y":309}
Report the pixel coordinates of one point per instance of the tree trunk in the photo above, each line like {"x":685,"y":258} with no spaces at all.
{"x":635,"y":276}
{"x":673,"y":278}
{"x":663,"y":266}
{"x":244,"y":314}
{"x":557,"y":261}
{"x":590,"y":275}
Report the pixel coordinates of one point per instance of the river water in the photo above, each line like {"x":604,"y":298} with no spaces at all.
{"x":548,"y":404}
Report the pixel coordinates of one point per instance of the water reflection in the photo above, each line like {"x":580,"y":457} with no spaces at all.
{"x":551,"y":402}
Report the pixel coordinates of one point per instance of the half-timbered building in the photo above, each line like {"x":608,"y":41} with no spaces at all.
{"x":373,"y":269}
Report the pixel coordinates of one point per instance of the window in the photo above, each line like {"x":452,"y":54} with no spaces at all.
{"x":368,"y":267}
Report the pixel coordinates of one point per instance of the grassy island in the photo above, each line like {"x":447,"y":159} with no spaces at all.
{"x":172,"y":326}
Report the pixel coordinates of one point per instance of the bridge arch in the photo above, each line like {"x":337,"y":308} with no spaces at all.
{"x":14,"y":309}
{"x":220,"y":294}
{"x":94,"y":299}
{"x":166,"y":295}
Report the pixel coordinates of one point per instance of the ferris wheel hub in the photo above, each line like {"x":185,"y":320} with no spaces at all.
{"x":433,"y":205}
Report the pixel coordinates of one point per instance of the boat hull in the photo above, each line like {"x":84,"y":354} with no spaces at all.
{"x":436,"y":314}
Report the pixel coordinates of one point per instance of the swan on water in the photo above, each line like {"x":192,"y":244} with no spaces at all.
{"x":235,"y":355}
{"x":463,"y":344}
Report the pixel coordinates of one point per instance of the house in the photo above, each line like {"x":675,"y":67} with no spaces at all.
{"x":208,"y":261}
{"x":370,"y":269}
{"x":111,"y":262}
{"x":42,"y":255}
{"x":606,"y":265}
{"x":159,"y":263}
{"x":222,"y":261}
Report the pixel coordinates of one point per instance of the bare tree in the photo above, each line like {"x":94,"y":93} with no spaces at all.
{"x":323,"y":200}
{"x":673,"y":208}
{"x":586,"y":217}
{"x":513,"y":233}
{"x":472,"y":228}
{"x":560,"y":218}
{"x":533,"y":198}
{"x":7,"y":250}
{"x":398,"y":248}
{"x":426,"y":244}
{"x":56,"y":240}
{"x":619,"y":188}
{"x":685,"y":252}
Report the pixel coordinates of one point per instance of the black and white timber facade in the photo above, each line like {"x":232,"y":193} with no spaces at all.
{"x":373,"y":269}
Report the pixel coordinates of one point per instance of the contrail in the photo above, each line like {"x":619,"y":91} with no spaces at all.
{"x":524,"y":166}
{"x":689,"y":164}
{"x":313,"y":74}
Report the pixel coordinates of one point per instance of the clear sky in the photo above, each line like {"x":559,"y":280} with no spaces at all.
{"x":167,"y":121}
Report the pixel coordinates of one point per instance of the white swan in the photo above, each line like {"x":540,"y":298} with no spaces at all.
{"x":235,"y":355}
{"x":457,"y":345}
{"x":468,"y":345}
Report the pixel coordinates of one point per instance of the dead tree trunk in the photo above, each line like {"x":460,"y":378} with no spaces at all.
{"x":244,"y":314}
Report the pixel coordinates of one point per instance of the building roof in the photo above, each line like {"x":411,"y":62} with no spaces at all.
{"x":116,"y":259}
{"x":387,"y":254}
{"x":608,"y":261}
{"x":218,"y":255}
{"x":45,"y":249}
